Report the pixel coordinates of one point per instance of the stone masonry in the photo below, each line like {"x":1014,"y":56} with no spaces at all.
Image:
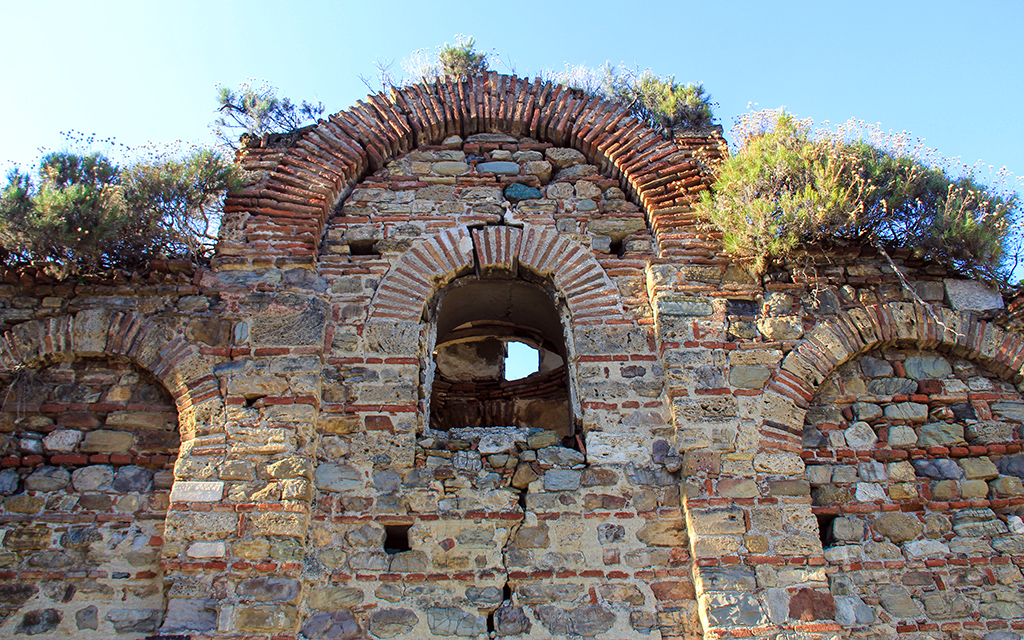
{"x":314,"y":437}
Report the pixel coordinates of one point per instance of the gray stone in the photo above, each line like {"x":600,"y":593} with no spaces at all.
{"x":47,"y":479}
{"x":865,"y":411}
{"x":87,"y":617}
{"x":939,"y":469}
{"x":875,"y":367}
{"x":969,"y":524}
{"x":672,"y":304}
{"x":131,"y":478}
{"x":510,"y":621}
{"x":485,"y":596}
{"x":407,"y":561}
{"x":562,"y":480}
{"x":338,"y":477}
{"x":1001,"y":635}
{"x":291,"y":329}
{"x":190,"y":614}
{"x":902,"y":436}
{"x":267,"y":589}
{"x":559,"y":457}
{"x":860,"y":436}
{"x":134,"y":620}
{"x":388,"y":623}
{"x":897,"y":601}
{"x":941,"y":434}
{"x":582,"y":621}
{"x":971,"y":295}
{"x":1009,"y":410}
{"x":734,"y":609}
{"x":909,"y":411}
{"x":39,"y":621}
{"x":9,"y":481}
{"x":989,"y":432}
{"x":1012,"y":465}
{"x":892,"y":387}
{"x":851,"y":611}
{"x":468,"y":461}
{"x":500,"y":168}
{"x":721,"y":579}
{"x":1009,"y":545}
{"x":62,"y":441}
{"x":450,"y":621}
{"x":338,"y":625}
{"x":848,"y":529}
{"x":872,"y":471}
{"x":927,"y":367}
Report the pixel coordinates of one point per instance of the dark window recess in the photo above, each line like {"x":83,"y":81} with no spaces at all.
{"x":481,"y":325}
{"x":825,"y":530}
{"x":617,"y":248}
{"x":363,"y":248}
{"x":396,"y":538}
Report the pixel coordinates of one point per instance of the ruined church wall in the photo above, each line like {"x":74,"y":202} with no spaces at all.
{"x":310,"y":500}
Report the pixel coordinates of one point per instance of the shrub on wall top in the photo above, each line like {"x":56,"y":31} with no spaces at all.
{"x":85,"y":214}
{"x":787,"y":184}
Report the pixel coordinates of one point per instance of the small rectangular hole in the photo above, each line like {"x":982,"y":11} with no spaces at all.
{"x":363,"y":248}
{"x":396,"y":538}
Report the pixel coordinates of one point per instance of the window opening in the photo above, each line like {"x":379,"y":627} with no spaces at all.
{"x":482,"y":374}
{"x":825,"y":530}
{"x":521,"y":360}
{"x":396,"y":538}
{"x":363,"y":248}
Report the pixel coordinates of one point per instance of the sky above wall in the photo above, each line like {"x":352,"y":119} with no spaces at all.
{"x":142,"y":71}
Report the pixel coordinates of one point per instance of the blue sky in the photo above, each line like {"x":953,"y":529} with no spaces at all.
{"x":144,"y":71}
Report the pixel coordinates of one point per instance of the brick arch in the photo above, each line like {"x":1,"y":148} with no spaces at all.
{"x":175,"y":363}
{"x":856,"y":331}
{"x":429,"y":265}
{"x":286,"y":210}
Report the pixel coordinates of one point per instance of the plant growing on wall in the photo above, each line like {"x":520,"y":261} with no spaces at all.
{"x":787,"y":184}
{"x":250,"y":112}
{"x":660,"y":101}
{"x":85,"y":214}
{"x":459,"y":60}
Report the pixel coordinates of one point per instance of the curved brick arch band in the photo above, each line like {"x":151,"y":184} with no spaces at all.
{"x":286,"y":210}
{"x":854,"y":332}
{"x":178,"y":365}
{"x":407,"y":288}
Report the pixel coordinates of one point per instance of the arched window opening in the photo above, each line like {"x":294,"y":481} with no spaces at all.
{"x":474,"y":383}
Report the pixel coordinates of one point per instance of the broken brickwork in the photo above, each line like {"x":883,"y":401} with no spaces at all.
{"x":814,"y":453}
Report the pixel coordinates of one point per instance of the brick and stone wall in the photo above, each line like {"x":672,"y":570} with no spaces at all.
{"x":312,"y":437}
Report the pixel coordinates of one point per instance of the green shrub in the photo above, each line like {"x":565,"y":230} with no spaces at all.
{"x":86,"y":214}
{"x":251,"y":112}
{"x":787,"y":185}
{"x":660,"y":101}
{"x":459,"y":60}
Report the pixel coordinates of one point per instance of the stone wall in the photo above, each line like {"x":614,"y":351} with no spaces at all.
{"x":88,"y":450}
{"x":828,"y":450}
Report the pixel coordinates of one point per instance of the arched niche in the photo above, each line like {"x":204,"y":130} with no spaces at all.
{"x":475,"y":319}
{"x":89,"y":446}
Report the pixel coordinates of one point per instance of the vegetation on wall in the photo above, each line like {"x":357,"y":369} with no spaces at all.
{"x":660,"y":101}
{"x":249,"y":112}
{"x":787,"y":184}
{"x":82,"y":213}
